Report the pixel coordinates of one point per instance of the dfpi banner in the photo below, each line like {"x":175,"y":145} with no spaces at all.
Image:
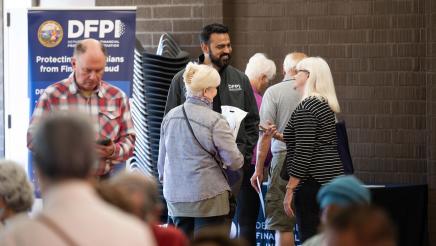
{"x":52,"y":35}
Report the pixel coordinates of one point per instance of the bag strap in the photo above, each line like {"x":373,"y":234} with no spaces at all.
{"x":50,"y":224}
{"x":196,"y":139}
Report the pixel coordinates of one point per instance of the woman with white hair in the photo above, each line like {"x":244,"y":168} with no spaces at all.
{"x":260,"y":71}
{"x":16,"y":193}
{"x":312,"y":158}
{"x":194,"y":139}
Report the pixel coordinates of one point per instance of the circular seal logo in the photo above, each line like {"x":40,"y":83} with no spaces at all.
{"x":50,"y":33}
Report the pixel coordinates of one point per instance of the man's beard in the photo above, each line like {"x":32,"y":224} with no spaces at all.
{"x":222,"y":61}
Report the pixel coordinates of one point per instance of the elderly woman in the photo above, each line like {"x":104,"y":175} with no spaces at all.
{"x":260,"y":70}
{"x":312,"y":158}
{"x":193,"y":141}
{"x":16,"y":193}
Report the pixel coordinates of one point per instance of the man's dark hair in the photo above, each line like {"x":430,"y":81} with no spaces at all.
{"x":81,"y":48}
{"x":212,"y":28}
{"x":63,"y":146}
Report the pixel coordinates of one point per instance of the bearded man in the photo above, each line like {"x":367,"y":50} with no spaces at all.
{"x":234,"y":90}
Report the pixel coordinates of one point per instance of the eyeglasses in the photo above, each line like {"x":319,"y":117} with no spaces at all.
{"x":303,"y":70}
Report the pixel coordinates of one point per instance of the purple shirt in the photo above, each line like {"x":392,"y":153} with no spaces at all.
{"x":258,"y":98}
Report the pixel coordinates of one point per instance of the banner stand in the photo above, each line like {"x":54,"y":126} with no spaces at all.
{"x":52,"y":35}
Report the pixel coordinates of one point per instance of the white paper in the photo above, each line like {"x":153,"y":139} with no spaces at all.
{"x":262,"y":202}
{"x":234,"y":117}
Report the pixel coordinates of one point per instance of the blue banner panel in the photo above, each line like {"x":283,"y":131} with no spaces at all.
{"x":264,"y":237}
{"x":52,"y":35}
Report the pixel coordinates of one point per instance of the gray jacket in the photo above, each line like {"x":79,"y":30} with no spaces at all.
{"x":234,"y":90}
{"x":189,"y":173}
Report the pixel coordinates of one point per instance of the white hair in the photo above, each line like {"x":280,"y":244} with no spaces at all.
{"x":260,"y":65}
{"x":288,"y":63}
{"x":320,"y":81}
{"x":291,"y":60}
{"x":15,"y":188}
{"x":198,"y":77}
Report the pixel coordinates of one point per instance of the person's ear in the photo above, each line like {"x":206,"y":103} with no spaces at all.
{"x":205,"y":47}
{"x":264,"y":78}
{"x":73,"y":62}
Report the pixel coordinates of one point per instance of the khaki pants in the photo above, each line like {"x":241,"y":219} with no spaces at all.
{"x":276,"y":218}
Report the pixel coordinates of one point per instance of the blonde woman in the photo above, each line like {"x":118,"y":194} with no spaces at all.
{"x":194,"y":186}
{"x":312,"y":158}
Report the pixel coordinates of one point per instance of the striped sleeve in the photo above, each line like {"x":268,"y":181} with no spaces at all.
{"x":304,"y":124}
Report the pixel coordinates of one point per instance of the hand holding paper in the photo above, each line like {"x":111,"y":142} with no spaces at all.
{"x":234,"y":117}
{"x":262,"y":202}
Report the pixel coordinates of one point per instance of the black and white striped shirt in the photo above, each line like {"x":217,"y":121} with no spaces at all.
{"x":310,"y":138}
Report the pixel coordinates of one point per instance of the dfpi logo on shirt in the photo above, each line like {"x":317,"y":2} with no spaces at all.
{"x":235,"y":87}
{"x":50,"y":33}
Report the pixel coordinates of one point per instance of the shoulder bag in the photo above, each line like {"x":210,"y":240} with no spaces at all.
{"x":232,"y":199}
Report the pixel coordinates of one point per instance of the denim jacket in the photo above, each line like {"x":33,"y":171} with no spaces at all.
{"x":189,"y":173}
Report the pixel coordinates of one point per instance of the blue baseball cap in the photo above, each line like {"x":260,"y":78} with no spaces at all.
{"x":343,"y":191}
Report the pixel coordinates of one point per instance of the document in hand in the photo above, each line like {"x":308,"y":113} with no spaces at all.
{"x":234,"y":117}
{"x":262,"y":201}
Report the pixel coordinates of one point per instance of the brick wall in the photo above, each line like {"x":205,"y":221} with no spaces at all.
{"x":430,"y":64}
{"x":182,"y":18}
{"x":383,"y":57}
{"x":375,"y":51}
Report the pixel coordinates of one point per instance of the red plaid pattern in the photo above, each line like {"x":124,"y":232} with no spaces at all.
{"x":108,"y":108}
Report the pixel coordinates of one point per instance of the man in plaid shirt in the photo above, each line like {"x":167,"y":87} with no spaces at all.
{"x":85,"y":91}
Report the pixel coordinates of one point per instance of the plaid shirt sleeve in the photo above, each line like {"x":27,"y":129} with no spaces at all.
{"x":125,"y":142}
{"x":41,"y":108}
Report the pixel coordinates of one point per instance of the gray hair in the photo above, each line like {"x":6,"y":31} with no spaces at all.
{"x":291,"y":60}
{"x":260,"y":65}
{"x":15,"y":188}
